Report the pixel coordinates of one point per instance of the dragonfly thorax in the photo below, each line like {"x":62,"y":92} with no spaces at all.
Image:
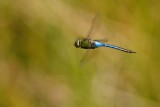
{"x":84,"y":43}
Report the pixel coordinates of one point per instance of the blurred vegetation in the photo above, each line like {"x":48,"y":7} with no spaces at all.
{"x":39,"y":64}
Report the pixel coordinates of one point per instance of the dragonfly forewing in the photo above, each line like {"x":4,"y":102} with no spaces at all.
{"x":88,"y":56}
{"x":95,"y":25}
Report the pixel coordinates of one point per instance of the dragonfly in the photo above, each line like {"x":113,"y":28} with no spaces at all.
{"x":89,"y":44}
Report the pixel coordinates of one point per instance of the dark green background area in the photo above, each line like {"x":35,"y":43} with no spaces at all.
{"x":40,"y":67}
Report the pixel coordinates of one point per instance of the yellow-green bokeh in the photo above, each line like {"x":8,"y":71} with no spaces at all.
{"x":39,"y":65}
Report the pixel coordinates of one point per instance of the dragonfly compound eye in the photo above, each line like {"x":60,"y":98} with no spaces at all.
{"x":76,"y":44}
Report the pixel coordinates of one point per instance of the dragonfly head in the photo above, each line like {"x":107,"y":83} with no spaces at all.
{"x":77,"y":43}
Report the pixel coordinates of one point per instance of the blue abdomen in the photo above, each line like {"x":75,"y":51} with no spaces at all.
{"x":99,"y":44}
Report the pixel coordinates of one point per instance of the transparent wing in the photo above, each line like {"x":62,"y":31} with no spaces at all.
{"x":88,"y":56}
{"x":84,"y":58}
{"x":94,"y":27}
{"x":102,"y":40}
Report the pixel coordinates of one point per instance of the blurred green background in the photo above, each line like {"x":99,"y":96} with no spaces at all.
{"x":39,"y":65}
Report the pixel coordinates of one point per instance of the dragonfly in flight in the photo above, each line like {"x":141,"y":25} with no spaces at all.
{"x":89,"y":44}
